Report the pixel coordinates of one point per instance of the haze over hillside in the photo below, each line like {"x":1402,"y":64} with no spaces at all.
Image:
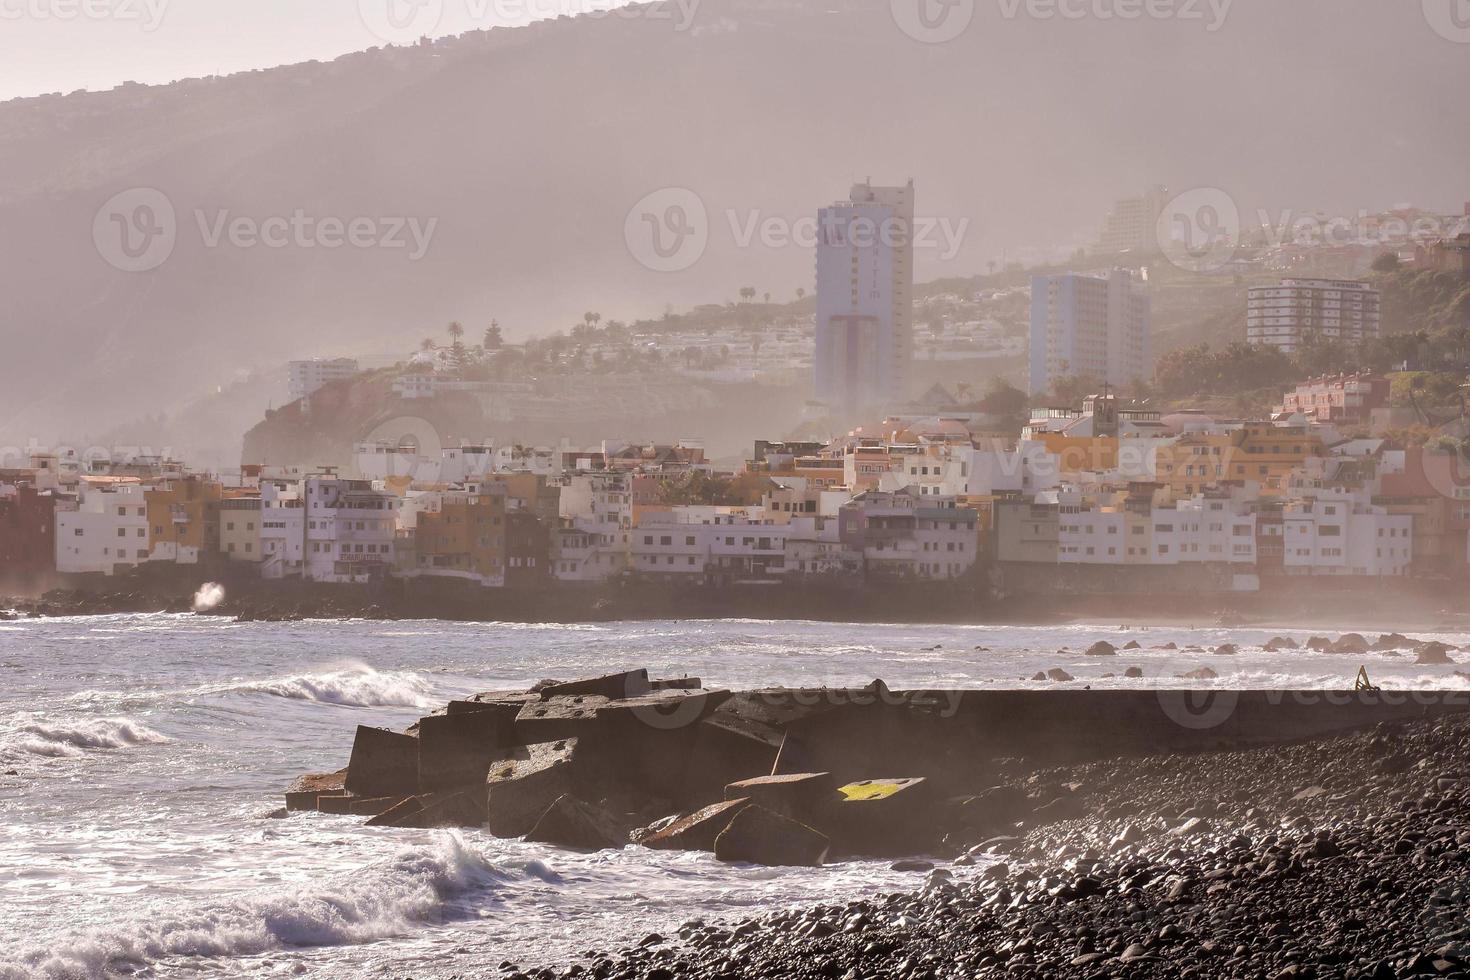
{"x":519,"y":173}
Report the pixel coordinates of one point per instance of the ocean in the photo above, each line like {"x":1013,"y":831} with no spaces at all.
{"x":143,"y":755}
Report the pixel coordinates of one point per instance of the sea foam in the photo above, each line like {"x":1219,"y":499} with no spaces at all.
{"x":75,"y":737}
{"x":418,"y":887}
{"x":356,"y":686}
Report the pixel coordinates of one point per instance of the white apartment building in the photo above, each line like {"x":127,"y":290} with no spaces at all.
{"x":1132,"y":225}
{"x":306,"y":377}
{"x":598,"y":511}
{"x":694,"y":543}
{"x":1111,"y":529}
{"x":814,"y":547}
{"x":865,"y":277}
{"x":1341,"y":532}
{"x":1299,"y":310}
{"x":108,"y":530}
{"x":1089,"y":326}
{"x":952,"y":471}
{"x":350,"y":529}
{"x":282,"y":529}
{"x":904,"y":535}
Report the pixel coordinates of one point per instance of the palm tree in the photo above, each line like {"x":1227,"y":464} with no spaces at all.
{"x":426,"y":344}
{"x":800,"y":293}
{"x":747,"y":293}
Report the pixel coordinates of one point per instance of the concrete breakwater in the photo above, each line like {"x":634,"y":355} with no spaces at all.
{"x":795,"y":776}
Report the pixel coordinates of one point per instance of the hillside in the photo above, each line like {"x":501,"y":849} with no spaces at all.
{"x":529,"y":173}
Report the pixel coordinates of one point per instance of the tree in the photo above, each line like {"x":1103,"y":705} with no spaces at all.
{"x":456,"y":346}
{"x":800,"y":294}
{"x":493,"y":338}
{"x":1387,"y":262}
{"x":747,"y":293}
{"x":427,"y":343}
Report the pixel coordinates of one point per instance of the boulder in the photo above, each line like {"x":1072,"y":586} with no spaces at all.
{"x":383,"y":763}
{"x":577,"y":824}
{"x":696,"y":831}
{"x":627,"y":684}
{"x":1279,"y":643}
{"x":1319,"y":644}
{"x":1393,"y":641}
{"x":1102,"y":648}
{"x":305,"y":791}
{"x":1134,"y":672}
{"x":1205,"y":673}
{"x":797,"y":795}
{"x":520,"y":789}
{"x":1133,"y":645}
{"x":455,"y":750}
{"x":1038,"y":676}
{"x":1059,"y":675}
{"x":1432,"y":652}
{"x":1226,"y":650}
{"x":1351,"y":643}
{"x":756,"y":835}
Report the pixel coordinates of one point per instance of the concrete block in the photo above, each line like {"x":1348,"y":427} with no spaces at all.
{"x":455,"y":750}
{"x":800,"y":796}
{"x":697,"y":831}
{"x":573,"y":716}
{"x":756,"y":835}
{"x":727,"y":748}
{"x":627,"y":684}
{"x":461,"y":809}
{"x":884,"y":818}
{"x":570,"y":822}
{"x":304,"y":791}
{"x":358,"y":806}
{"x":383,"y":763}
{"x":520,"y":789}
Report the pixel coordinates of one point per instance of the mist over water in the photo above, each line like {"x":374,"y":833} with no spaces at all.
{"x":148,"y":751}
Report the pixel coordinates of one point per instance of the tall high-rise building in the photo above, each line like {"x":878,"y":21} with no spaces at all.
{"x":1089,"y":326}
{"x":1132,"y":225}
{"x":865,"y":314}
{"x":1298,"y":310}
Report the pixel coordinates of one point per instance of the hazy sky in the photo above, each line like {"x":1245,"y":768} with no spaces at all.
{"x":63,"y":45}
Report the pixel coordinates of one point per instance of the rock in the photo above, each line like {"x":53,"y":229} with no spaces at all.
{"x":1130,"y":834}
{"x":1351,"y":643}
{"x":520,"y":789}
{"x":911,"y":866}
{"x":696,"y":831}
{"x":570,"y":822}
{"x":1038,"y":676}
{"x":1433,"y":652}
{"x":383,"y":763}
{"x":760,"y":836}
{"x":1393,"y":641}
{"x":1133,"y":645}
{"x":1133,"y":672}
{"x":1205,"y":673}
{"x":1226,"y":650}
{"x":1279,"y":643}
{"x":1191,"y":827}
{"x":455,"y":750}
{"x":1059,"y":675}
{"x":1310,"y":793}
{"x":573,"y":716}
{"x":1102,"y":648}
{"x":462,"y":809}
{"x":797,"y":795}
{"x":358,"y":806}
{"x":1319,"y":644}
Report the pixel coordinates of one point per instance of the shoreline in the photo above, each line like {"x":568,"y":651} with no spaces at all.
{"x":1331,"y":857}
{"x":1332,"y":609}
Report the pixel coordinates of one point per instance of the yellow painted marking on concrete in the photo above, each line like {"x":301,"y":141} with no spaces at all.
{"x":871,"y":790}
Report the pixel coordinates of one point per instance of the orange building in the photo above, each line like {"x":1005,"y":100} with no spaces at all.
{"x":1268,"y":453}
{"x":183,"y":518}
{"x":464,"y":538}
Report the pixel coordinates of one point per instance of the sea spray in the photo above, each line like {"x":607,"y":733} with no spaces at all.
{"x":210,"y":595}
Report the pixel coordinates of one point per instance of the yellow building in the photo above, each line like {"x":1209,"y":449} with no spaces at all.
{"x":183,"y":518}
{"x":1268,"y":453}
{"x":464,"y":538}
{"x":1193,"y":462}
{"x":239,"y":527}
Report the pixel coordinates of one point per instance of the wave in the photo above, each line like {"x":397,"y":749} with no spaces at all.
{"x":420,"y":886}
{"x":74,"y":738}
{"x":357,"y":686}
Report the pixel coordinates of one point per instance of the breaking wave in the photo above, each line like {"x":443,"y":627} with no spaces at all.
{"x":358,"y":686}
{"x":74,"y":738}
{"x":420,"y":886}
